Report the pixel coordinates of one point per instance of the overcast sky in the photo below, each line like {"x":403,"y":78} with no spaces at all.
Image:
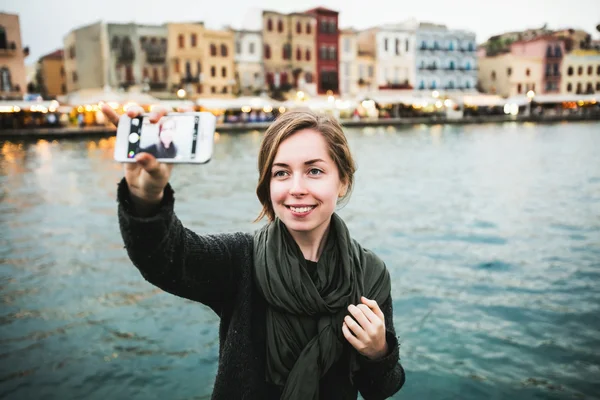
{"x":44,"y":23}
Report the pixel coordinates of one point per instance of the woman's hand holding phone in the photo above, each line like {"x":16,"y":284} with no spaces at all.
{"x":146,"y":178}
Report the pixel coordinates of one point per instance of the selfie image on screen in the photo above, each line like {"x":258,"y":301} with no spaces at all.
{"x":172,"y":137}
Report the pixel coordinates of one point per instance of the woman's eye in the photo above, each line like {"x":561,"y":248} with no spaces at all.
{"x":279,"y":174}
{"x":315,"y":171}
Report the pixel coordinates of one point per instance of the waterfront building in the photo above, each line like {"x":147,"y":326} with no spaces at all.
{"x":527,"y":65}
{"x":581,"y":72}
{"x":248,"y":58}
{"x":50,"y":75}
{"x":186,"y":53}
{"x":127,"y":56}
{"x":393,"y":48}
{"x":13,"y":79}
{"x":348,"y":68}
{"x":445,"y":58}
{"x":289,"y":53}
{"x":326,"y":45}
{"x":220,"y":72}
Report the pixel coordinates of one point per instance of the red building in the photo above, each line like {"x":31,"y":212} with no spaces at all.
{"x":327,"y":40}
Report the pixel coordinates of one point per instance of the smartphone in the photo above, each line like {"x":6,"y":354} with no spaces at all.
{"x":175,"y":138}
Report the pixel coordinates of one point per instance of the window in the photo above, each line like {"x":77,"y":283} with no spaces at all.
{"x":307,"y":55}
{"x":527,"y":72}
{"x":385,"y":44}
{"x":62,"y":71}
{"x":284,"y":78}
{"x":570,"y":71}
{"x":224,"y":72}
{"x":188,"y":69}
{"x":569,"y":87}
{"x":298,"y":27}
{"x":194,"y":39}
{"x":198,"y":68}
{"x":213,"y":89}
{"x":114,"y":44}
{"x":154,"y":74}
{"x":145,"y":73}
{"x":332,"y":53}
{"x":199,"y":88}
{"x":308,"y":77}
{"x":165,"y":73}
{"x":181,"y":41}
{"x":213,"y":49}
{"x":589,"y":88}
{"x":597,"y":86}
{"x":298,"y":54}
{"x":213,"y":71}
{"x":323,"y":53}
{"x":176,"y":65}
{"x":598,"y":70}
{"x":579,"y":70}
{"x":346,"y":45}
{"x":519,"y":88}
{"x":467,"y":85}
{"x":63,"y":88}
{"x":555,"y":69}
{"x":75,"y":77}
{"x":286,"y":51}
{"x":397,"y":47}
{"x":279,"y":26}
{"x":450,"y":45}
{"x":493,"y":76}
{"x":269,"y":25}
{"x":251,"y":48}
{"x":557,"y":51}
{"x":371,"y":71}
{"x":451,"y":66}
{"x":72,"y":52}
{"x":423,"y":45}
{"x":308,"y":28}
{"x":590,"y":69}
{"x":578,"y":88}
{"x":238,"y":48}
{"x":406,"y":45}
{"x":223,"y":50}
{"x":267,"y":51}
{"x":224,"y":90}
{"x":549,"y":51}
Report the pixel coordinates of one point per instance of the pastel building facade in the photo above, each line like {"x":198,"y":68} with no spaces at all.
{"x":13,"y":76}
{"x":248,"y":60}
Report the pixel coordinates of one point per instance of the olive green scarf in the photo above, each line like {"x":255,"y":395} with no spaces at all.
{"x":304,"y":317}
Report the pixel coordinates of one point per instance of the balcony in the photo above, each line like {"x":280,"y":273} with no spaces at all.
{"x":156,"y":54}
{"x":126,"y":56}
{"x":190,"y":79}
{"x":429,"y":68}
{"x":550,"y":75}
{"x":9,"y":50}
{"x":156,"y":86}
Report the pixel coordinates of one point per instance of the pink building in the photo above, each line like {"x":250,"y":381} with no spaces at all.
{"x":547,"y":49}
{"x":534,"y":64}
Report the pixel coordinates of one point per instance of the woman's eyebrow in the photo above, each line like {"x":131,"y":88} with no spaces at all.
{"x":309,"y":162}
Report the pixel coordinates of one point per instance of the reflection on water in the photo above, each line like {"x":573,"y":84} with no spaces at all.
{"x":491,"y":234}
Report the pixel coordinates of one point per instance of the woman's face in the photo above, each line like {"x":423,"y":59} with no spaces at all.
{"x":167,"y":133}
{"x":305,"y":183}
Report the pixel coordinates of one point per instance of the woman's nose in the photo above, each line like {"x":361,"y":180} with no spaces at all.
{"x":298,"y":188}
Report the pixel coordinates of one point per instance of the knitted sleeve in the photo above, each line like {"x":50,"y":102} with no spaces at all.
{"x":177,"y":260}
{"x":381,"y":378}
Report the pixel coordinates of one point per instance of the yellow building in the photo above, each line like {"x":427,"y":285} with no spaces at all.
{"x":51,"y":74}
{"x":13,"y":79}
{"x":581,"y":72}
{"x":289,"y":56}
{"x":201,"y":61}
{"x":220,"y":73}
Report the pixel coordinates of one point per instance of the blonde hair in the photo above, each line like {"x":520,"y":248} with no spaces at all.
{"x":286,"y":125}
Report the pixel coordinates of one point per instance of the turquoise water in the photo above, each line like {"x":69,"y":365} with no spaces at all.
{"x":491,"y":234}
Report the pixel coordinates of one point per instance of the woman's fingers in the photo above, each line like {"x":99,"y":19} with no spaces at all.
{"x":372,"y":304}
{"x":110,"y":114}
{"x":359,"y":316}
{"x":355,"y":327}
{"x":350,"y":337}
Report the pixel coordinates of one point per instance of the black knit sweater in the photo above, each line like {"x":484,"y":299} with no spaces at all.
{"x":216,"y":270}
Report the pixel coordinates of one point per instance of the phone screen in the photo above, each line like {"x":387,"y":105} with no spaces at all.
{"x":174,"y":138}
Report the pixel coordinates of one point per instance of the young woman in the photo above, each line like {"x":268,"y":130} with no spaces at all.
{"x":306,"y":312}
{"x":165,"y":148}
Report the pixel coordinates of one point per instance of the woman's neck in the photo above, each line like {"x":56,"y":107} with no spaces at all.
{"x":312,"y":243}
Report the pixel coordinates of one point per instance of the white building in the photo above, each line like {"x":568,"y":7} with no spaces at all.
{"x":393,"y":48}
{"x":249,"y":61}
{"x":445,"y":59}
{"x":348,"y":48}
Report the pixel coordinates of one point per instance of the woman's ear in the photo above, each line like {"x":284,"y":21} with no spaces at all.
{"x":343,"y":190}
